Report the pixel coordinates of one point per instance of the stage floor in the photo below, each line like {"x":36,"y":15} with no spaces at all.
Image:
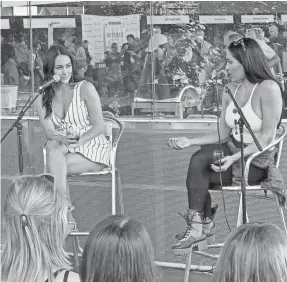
{"x":153,"y":181}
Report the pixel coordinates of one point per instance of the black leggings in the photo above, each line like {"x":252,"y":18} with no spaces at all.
{"x":201,"y":177}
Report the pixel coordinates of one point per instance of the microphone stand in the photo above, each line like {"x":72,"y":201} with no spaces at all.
{"x":241,"y":122}
{"x":18,"y":125}
{"x":21,"y":114}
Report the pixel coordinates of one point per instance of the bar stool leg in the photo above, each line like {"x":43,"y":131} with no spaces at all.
{"x":120,"y":191}
{"x":75,"y":243}
{"x":240,"y":212}
{"x":187,"y":267}
{"x":281,"y":213}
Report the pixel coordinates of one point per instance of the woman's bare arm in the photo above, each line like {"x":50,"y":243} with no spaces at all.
{"x":224,"y":129}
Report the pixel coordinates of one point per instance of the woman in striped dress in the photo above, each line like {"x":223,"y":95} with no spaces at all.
{"x":71,"y":115}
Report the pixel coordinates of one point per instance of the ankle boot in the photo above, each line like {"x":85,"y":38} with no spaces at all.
{"x":193,"y":236}
{"x":208,"y":225}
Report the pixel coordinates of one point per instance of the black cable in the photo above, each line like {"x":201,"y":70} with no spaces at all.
{"x":219,"y":139}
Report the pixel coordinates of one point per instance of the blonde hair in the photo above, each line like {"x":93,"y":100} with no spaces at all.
{"x":118,"y":249}
{"x":35,"y":226}
{"x":254,"y":252}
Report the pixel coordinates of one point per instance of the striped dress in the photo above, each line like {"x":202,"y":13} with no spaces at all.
{"x":98,"y":149}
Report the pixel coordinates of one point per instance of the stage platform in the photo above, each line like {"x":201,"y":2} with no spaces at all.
{"x":153,"y":181}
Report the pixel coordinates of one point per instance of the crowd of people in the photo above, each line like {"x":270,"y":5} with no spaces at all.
{"x":38,"y":209}
{"x":175,"y":59}
{"x":118,"y":248}
{"x":18,"y":61}
{"x":171,"y":60}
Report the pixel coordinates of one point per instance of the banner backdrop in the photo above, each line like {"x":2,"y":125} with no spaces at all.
{"x":93,"y":31}
{"x":117,"y":29}
{"x":101,"y":32}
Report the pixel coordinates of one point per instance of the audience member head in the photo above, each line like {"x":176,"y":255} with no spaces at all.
{"x":273,"y":31}
{"x":170,"y":40}
{"x":245,"y":59}
{"x":35,"y":226}
{"x":60,"y":62}
{"x":260,"y":33}
{"x":118,"y":249}
{"x":130,"y":38}
{"x":36,"y":45}
{"x":7,"y":52}
{"x":230,"y":36}
{"x":199,"y":32}
{"x":184,"y":49}
{"x":250,"y":32}
{"x":85,"y":43}
{"x":253,"y":253}
{"x":114,"y":47}
{"x":156,"y":29}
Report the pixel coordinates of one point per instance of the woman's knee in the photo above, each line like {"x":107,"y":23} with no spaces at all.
{"x":54,"y":147}
{"x":200,"y":159}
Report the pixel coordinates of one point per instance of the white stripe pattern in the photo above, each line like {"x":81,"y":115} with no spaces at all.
{"x":97,"y":149}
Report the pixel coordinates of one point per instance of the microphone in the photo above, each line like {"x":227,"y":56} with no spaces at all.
{"x":222,"y":74}
{"x":55,"y":78}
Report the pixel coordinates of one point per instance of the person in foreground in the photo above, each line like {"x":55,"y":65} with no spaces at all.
{"x":259,"y":96}
{"x":34,"y":229}
{"x":118,"y":249}
{"x":71,"y":115}
{"x":255,"y":252}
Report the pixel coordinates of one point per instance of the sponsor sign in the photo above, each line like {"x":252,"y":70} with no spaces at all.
{"x":93,"y":31}
{"x":50,"y":22}
{"x":179,"y":19}
{"x":257,"y":18}
{"x":216,"y":19}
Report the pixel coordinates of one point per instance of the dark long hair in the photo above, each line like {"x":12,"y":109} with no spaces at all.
{"x":48,"y":67}
{"x":250,"y":55}
{"x":119,"y":249}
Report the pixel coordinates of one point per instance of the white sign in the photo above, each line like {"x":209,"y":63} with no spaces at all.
{"x":284,"y":18}
{"x":179,"y":19}
{"x":115,"y":32}
{"x":218,"y":19}
{"x":117,"y":29}
{"x":50,"y":22}
{"x":25,"y":11}
{"x":5,"y":24}
{"x":93,"y":31}
{"x":257,"y":18}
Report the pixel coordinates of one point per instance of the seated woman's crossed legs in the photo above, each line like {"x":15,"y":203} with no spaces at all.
{"x":200,"y":214}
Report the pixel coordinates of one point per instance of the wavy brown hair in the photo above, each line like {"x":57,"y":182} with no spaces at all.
{"x":118,"y":249}
{"x":254,"y":252}
{"x":48,"y":68}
